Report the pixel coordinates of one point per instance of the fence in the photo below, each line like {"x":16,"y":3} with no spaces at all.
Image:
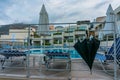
{"x":35,"y":41}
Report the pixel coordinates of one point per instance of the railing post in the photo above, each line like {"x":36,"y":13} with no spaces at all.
{"x":28,"y":54}
{"x":115,"y":63}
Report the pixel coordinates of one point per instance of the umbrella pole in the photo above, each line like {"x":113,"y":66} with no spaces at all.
{"x":87,"y":34}
{"x":91,"y":71}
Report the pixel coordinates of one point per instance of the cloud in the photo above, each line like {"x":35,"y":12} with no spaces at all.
{"x":101,"y":4}
{"x":27,"y":11}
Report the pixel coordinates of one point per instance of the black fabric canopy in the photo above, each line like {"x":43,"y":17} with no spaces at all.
{"x":87,"y":50}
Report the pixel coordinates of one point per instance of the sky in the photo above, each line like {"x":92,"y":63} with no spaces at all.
{"x":59,"y":11}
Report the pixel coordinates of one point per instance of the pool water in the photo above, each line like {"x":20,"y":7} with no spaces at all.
{"x":73,"y":53}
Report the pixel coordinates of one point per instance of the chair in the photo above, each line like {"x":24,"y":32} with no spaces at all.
{"x":100,"y":57}
{"x":110,"y":53}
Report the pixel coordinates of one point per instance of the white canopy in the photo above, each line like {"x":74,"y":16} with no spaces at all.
{"x":109,"y":27}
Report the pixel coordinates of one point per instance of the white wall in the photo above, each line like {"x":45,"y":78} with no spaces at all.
{"x":15,"y":35}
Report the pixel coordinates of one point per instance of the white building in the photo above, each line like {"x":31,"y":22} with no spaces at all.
{"x":16,"y":36}
{"x":60,"y":36}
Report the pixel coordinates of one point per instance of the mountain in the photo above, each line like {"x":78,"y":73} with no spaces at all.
{"x":4,"y":29}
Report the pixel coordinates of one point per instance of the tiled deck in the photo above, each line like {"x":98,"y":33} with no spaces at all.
{"x":79,"y":71}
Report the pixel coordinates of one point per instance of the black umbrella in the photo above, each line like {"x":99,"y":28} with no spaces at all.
{"x":87,"y":50}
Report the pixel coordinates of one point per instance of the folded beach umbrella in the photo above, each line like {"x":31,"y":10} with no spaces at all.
{"x":87,"y":50}
{"x":81,"y":49}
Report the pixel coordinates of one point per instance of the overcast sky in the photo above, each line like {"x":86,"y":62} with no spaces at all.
{"x":27,"y":11}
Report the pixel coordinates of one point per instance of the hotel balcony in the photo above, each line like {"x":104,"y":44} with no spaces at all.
{"x":46,"y":37}
{"x":79,"y":32}
{"x":36,"y":39}
{"x":57,"y":35}
{"x":58,"y":44}
{"x":68,"y":33}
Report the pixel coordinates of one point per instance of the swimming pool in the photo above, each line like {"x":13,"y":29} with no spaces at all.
{"x":73,"y":53}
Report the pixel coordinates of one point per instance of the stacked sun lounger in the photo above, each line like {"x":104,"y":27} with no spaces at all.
{"x":58,"y":54}
{"x":52,"y":57}
{"x":10,"y":53}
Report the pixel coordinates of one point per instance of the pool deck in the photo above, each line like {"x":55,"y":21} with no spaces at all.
{"x":79,"y":71}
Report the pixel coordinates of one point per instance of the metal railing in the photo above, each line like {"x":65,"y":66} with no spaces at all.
{"x":33,"y":64}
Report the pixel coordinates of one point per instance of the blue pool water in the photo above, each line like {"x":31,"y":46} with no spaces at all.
{"x":73,"y":53}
